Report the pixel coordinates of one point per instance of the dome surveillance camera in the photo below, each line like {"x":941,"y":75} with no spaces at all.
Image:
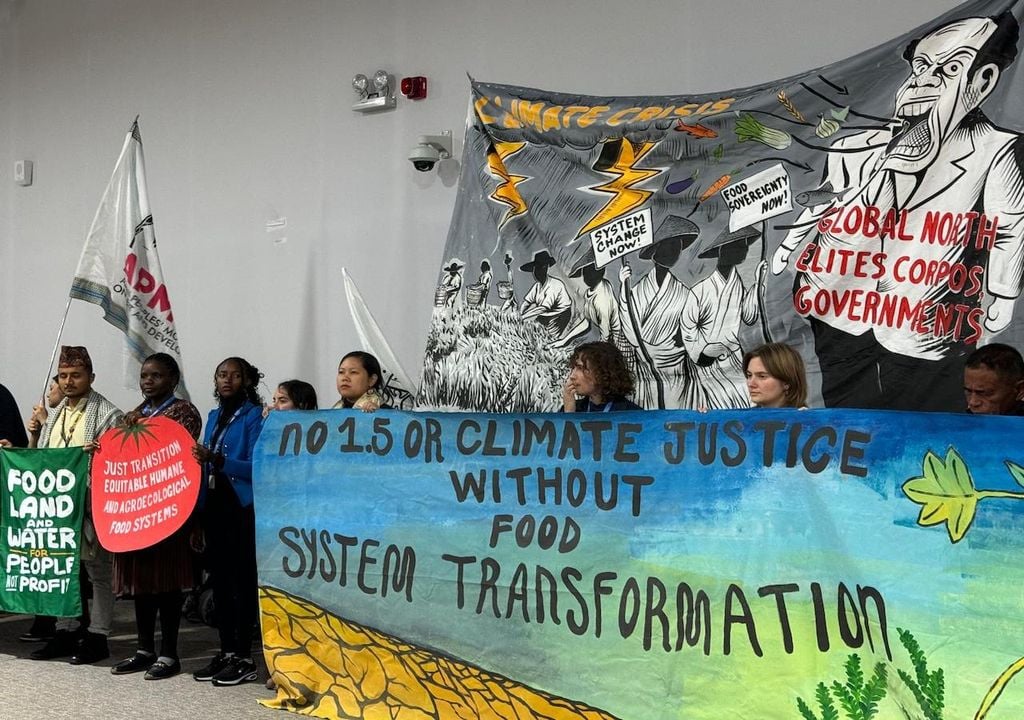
{"x":430,"y":150}
{"x":424,"y":157}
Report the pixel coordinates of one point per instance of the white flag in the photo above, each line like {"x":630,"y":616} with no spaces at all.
{"x":119,"y":269}
{"x":396,"y":387}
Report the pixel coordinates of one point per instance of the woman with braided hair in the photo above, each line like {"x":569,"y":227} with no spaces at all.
{"x":229,"y":522}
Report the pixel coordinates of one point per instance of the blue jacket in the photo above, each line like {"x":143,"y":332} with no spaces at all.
{"x":236,"y":443}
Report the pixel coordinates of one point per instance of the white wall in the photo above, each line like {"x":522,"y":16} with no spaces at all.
{"x":245,"y":118}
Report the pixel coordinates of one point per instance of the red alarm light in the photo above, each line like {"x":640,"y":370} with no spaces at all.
{"x":414,"y":88}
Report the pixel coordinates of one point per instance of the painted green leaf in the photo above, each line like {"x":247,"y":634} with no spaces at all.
{"x":1016,"y":471}
{"x":946,"y":493}
{"x":136,"y":432}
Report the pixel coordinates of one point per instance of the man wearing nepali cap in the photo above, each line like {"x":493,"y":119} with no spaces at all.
{"x":81,"y":417}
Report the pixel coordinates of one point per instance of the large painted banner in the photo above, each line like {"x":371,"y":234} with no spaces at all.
{"x":870,"y":213}
{"x":734,"y":564}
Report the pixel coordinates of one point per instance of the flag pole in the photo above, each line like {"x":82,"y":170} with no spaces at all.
{"x":56,"y":345}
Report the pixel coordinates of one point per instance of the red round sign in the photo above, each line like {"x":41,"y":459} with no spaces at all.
{"x":145,"y":483}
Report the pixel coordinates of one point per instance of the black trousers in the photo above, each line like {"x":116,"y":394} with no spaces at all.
{"x":168,"y":606}
{"x":849,"y":367}
{"x":231,"y":551}
{"x":857,"y":372}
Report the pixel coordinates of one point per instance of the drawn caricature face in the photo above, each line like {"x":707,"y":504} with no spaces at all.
{"x":733,"y":254}
{"x":667,"y":252}
{"x":592,"y":276}
{"x":938,"y":93}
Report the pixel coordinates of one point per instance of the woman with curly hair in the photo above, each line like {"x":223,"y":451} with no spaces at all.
{"x":599,"y":380}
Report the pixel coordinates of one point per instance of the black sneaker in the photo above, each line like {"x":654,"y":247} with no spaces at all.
{"x":218,"y":663}
{"x":238,"y":671}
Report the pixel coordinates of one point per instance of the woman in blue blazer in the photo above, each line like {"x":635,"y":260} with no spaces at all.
{"x":229,"y":522}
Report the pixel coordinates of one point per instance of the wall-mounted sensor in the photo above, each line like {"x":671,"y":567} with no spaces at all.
{"x":23,"y":172}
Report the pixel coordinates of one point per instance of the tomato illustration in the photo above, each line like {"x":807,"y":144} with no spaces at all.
{"x":144,"y":483}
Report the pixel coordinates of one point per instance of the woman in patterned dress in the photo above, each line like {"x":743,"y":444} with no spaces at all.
{"x":157,"y":576}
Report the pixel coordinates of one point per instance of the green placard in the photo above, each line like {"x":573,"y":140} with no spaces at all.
{"x":43,"y":499}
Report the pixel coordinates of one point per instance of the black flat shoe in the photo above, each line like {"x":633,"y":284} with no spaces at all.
{"x":136,"y":663}
{"x":33,"y":637}
{"x":42,"y":630}
{"x":62,"y":645}
{"x":92,"y":648}
{"x":161,"y":670}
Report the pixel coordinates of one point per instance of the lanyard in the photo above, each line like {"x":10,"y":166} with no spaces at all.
{"x":67,"y":434}
{"x":219,"y":433}
{"x":217,"y":439}
{"x":163,"y":406}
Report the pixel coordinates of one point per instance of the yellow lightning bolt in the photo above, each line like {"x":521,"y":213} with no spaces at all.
{"x":506,"y":191}
{"x":625,"y":196}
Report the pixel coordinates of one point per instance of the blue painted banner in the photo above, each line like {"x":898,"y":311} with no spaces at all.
{"x":748,"y":564}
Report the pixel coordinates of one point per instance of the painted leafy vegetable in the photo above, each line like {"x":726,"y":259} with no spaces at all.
{"x":748,"y":128}
{"x":946,"y":493}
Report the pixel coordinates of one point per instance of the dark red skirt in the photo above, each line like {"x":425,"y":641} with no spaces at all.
{"x":164,"y":567}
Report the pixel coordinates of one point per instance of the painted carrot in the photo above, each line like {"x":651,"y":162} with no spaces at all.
{"x":714,"y":187}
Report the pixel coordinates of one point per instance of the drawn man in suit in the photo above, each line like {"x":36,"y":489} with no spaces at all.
{"x":893,"y":330}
